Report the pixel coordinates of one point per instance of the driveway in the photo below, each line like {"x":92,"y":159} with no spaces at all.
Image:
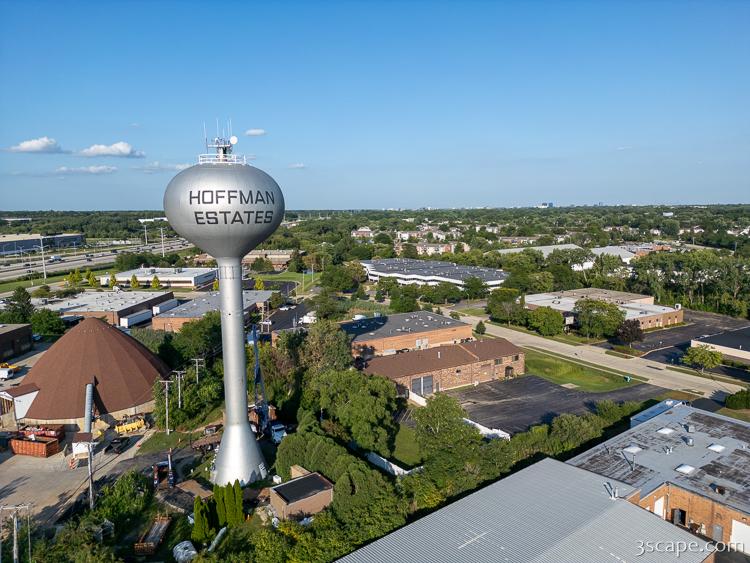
{"x":518,"y":404}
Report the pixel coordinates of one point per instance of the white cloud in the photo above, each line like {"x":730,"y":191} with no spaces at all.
{"x":119,"y":149}
{"x":298,"y":166}
{"x":40,"y":145}
{"x":624,"y":148}
{"x":156,"y":166}
{"x":255,"y":132}
{"x":67,"y":170}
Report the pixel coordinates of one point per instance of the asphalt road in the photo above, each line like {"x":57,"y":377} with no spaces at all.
{"x":517,"y":404}
{"x":653,"y":372}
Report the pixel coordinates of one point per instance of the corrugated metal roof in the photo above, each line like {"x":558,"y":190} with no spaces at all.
{"x":543,"y":513}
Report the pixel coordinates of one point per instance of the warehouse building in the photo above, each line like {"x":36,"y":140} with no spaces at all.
{"x":172,"y":320}
{"x":734,"y":344}
{"x":635,"y":306}
{"x":690,"y":467}
{"x":13,"y":244}
{"x":547,"y":512}
{"x":546,"y":250}
{"x":192,"y":278}
{"x":425,"y":372}
{"x":122,"y":370}
{"x":388,"y":334}
{"x":111,"y":306}
{"x":430,"y":272}
{"x":15,"y":339}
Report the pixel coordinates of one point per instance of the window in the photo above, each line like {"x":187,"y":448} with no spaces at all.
{"x":516,"y":358}
{"x":422,"y":385}
{"x":498,"y":361}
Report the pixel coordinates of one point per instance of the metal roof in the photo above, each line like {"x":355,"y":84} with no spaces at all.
{"x":102,"y":300}
{"x":549,"y":511}
{"x":663,"y":451}
{"x":739,"y":339}
{"x":426,"y":271}
{"x":545,"y":250}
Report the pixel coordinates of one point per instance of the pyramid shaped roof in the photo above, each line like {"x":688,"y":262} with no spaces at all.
{"x":122,"y":369}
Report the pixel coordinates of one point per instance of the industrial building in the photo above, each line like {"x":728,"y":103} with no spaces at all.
{"x":690,"y":467}
{"x":173,"y":319}
{"x":15,"y":339}
{"x":388,"y":334}
{"x":430,"y":272}
{"x":547,"y":512}
{"x":734,"y":344}
{"x":168,"y":277}
{"x":301,"y":496}
{"x":425,"y":372}
{"x":111,"y":306}
{"x":279,"y":258}
{"x":546,"y":250}
{"x":635,"y":306}
{"x":13,"y":244}
{"x":617,"y":251}
{"x":122,"y":370}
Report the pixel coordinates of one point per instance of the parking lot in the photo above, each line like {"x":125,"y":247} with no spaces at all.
{"x":517,"y":404}
{"x":668,"y":345}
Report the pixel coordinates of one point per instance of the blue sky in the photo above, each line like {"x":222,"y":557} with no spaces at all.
{"x":379,"y":104}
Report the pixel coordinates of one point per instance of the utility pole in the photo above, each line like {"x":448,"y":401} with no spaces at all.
{"x":91,"y":478}
{"x":178,"y":376}
{"x":44,"y":262}
{"x":166,"y":383}
{"x":199,"y":363}
{"x":145,"y":234}
{"x":14,"y":508}
{"x":162,"y":241}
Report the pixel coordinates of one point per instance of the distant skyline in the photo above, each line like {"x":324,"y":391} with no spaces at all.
{"x":353,"y":105}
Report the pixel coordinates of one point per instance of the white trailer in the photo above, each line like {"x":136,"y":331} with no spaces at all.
{"x":136,"y":318}
{"x":164,"y":306}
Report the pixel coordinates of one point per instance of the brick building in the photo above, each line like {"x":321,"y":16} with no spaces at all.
{"x":196,"y":309}
{"x":387,"y":334}
{"x":691,"y":467}
{"x":14,"y":340}
{"x":444,"y":367}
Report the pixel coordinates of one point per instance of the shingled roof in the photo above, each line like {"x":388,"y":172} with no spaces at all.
{"x":441,"y":357}
{"x":122,"y":369}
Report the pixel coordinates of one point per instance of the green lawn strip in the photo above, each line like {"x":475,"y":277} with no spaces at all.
{"x":473,"y":311}
{"x":160,"y":442}
{"x":11,"y":285}
{"x":406,"y":451}
{"x":707,"y":375}
{"x":618,"y":354}
{"x":738,"y":414}
{"x":561,"y":371}
{"x":591,"y":365}
{"x":569,"y":338}
{"x":309,"y":279}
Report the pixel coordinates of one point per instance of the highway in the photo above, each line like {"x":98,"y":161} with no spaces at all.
{"x":86,"y":258}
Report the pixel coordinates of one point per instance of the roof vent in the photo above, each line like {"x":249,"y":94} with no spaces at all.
{"x":665,"y":431}
{"x":685,"y":469}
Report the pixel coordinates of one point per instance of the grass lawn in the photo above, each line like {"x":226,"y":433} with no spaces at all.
{"x":561,"y":371}
{"x":310,"y":280}
{"x":567,"y":338}
{"x":160,"y":442}
{"x":11,"y":285}
{"x":406,"y":453}
{"x":474,"y":311}
{"x":738,"y":414}
{"x":361,"y":306}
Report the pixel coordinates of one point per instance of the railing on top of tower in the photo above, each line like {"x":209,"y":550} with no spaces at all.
{"x":223,"y":154}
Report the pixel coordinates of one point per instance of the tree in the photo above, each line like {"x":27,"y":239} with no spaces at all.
{"x":504,"y":305}
{"x":475,"y":288}
{"x":18,"y":307}
{"x":404,"y":299}
{"x":47,"y":323}
{"x":408,"y":250}
{"x":221,"y":510}
{"x":598,"y":318}
{"x":702,"y":356}
{"x":202,"y":532}
{"x":41,"y":292}
{"x":296,"y":264}
{"x":739,"y":400}
{"x":239,"y":512}
{"x":74,"y":278}
{"x":326,"y":346}
{"x":155,"y":283}
{"x":546,"y":321}
{"x":259,"y":285}
{"x":91,"y":279}
{"x":261,"y":264}
{"x":198,"y":339}
{"x":112,"y":281}
{"x":630,"y":331}
{"x":480,"y":328}
{"x":337,"y":278}
{"x":134,"y":283}
{"x":455,"y":315}
{"x":215,"y":284}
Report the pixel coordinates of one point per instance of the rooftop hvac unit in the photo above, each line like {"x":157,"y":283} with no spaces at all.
{"x":689,"y":441}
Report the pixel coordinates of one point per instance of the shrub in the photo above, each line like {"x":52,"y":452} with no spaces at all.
{"x":739,"y":400}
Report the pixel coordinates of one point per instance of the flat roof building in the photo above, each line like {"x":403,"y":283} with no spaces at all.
{"x":546,"y":250}
{"x":618,"y":251}
{"x":13,"y":244}
{"x":633,"y":305}
{"x":430,"y":272}
{"x":387,"y":334}
{"x":111,"y":306}
{"x":303,"y":496}
{"x":692,"y":468}
{"x":454,"y":365}
{"x":168,"y":277}
{"x":196,"y":309}
{"x":549,"y":511}
{"x":15,"y":339}
{"x":732,"y":343}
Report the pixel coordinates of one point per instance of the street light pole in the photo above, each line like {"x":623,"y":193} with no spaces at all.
{"x":44,"y":262}
{"x":162,"y":241}
{"x":145,"y":234}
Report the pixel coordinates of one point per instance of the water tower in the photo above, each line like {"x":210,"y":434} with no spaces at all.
{"x":226,"y":208}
